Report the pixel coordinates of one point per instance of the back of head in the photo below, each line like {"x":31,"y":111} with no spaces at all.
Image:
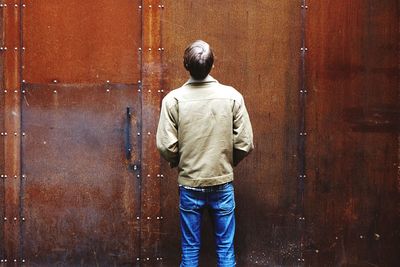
{"x":198,"y":59}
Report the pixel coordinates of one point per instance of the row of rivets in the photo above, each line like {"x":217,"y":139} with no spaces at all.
{"x":148,"y":259}
{"x":5,"y":48}
{"x":302,"y":218}
{"x":300,"y":260}
{"x":15,"y":176}
{"x":15,"y":134}
{"x":303,"y":133}
{"x":6,"y":91}
{"x":15,"y":260}
{"x":15,"y":219}
{"x":304,"y":6}
{"x":302,"y":176}
{"x":160,"y":175}
{"x":304,"y":49}
{"x":149,"y":218}
{"x":303,"y":91}
{"x":15,"y":5}
{"x":150,"y":6}
{"x":150,"y":49}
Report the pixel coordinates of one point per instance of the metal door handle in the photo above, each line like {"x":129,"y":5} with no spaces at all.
{"x":128,"y":145}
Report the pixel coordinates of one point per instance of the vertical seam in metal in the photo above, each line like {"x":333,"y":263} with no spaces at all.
{"x":3,"y":252}
{"x":21,"y":184}
{"x":303,"y":133}
{"x":140,"y":128}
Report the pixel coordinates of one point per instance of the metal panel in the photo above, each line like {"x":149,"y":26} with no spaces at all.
{"x":352,"y":193}
{"x":81,"y":197}
{"x":257,"y":47}
{"x":81,"y":41}
{"x":2,"y":129}
{"x":12,"y":125}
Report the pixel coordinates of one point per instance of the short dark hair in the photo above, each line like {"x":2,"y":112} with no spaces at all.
{"x":198,"y":59}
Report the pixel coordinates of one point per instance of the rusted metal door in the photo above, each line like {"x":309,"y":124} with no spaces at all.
{"x":74,"y":198}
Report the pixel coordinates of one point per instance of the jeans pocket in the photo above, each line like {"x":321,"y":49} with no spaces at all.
{"x":188,"y":200}
{"x":226,"y":202}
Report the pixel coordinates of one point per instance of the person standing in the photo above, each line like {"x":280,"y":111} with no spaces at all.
{"x":204,"y":130}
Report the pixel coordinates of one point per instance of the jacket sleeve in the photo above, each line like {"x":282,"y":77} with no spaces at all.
{"x":167,"y":132}
{"x":242,"y":132}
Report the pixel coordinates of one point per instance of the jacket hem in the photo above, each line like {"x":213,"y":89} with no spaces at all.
{"x":203,"y":182}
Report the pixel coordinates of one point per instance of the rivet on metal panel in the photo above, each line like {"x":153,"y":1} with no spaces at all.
{"x":55,"y":81}
{"x":55,"y":91}
{"x":23,"y":5}
{"x":16,"y":5}
{"x":15,"y":176}
{"x":138,"y":259}
{"x":336,"y":237}
{"x":361,"y":237}
{"x":149,"y":91}
{"x":140,"y":7}
{"x":162,"y":175}
{"x":148,"y":218}
{"x":23,"y":48}
{"x":148,"y":175}
{"x":23,"y":81}
{"x":137,"y":218}
{"x":23,"y":176}
{"x":149,"y":48}
{"x":148,"y":133}
{"x":316,"y":251}
{"x":5,"y":91}
{"x":140,"y":49}
{"x":107,"y":90}
{"x":15,"y":218}
{"x":15,"y":260}
{"x":138,"y":133}
{"x":23,"y":91}
{"x":162,"y":6}
{"x":23,"y":134}
{"x":139,"y":81}
{"x":5,"y":48}
{"x":377,"y":236}
{"x":23,"y":219}
{"x":147,"y":259}
{"x":5,"y":218}
{"x":108,"y":81}
{"x":149,"y":6}
{"x":138,"y":176}
{"x":5,"y":134}
{"x":15,"y":48}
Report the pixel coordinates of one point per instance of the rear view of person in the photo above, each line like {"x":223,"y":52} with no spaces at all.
{"x":205,"y":131}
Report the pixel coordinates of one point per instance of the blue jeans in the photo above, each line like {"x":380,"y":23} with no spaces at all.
{"x":220,"y":201}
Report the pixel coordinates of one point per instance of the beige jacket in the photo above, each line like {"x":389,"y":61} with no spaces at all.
{"x":205,"y":130}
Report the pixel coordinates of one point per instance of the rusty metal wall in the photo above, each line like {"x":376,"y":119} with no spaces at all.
{"x":257,"y":47}
{"x":352,"y":190}
{"x":321,"y":188}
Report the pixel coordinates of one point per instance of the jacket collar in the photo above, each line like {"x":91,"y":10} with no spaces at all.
{"x":208,"y":79}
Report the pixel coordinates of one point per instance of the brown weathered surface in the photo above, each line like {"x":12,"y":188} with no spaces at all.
{"x":78,"y":41}
{"x":352,"y":193}
{"x":81,"y":194}
{"x":12,"y":123}
{"x":151,"y":96}
{"x":257,"y":51}
{"x":2,"y":129}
